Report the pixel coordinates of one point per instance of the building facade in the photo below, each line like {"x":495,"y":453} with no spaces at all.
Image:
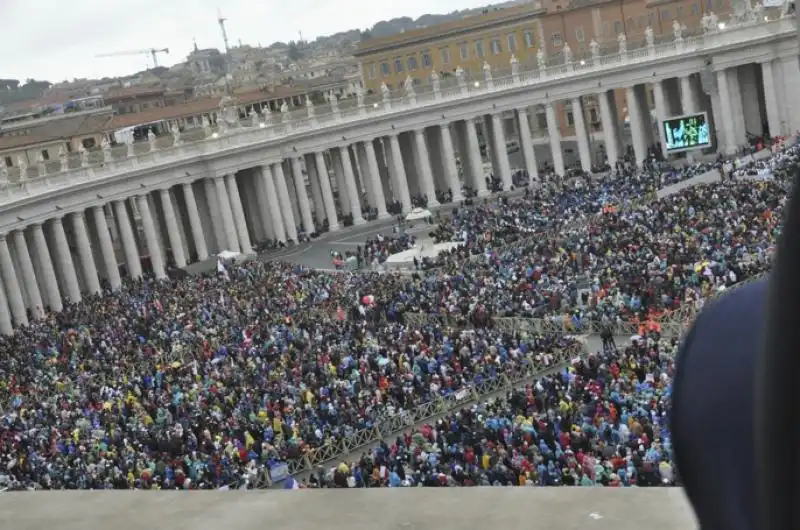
{"x":549,"y":27}
{"x":66,"y":231}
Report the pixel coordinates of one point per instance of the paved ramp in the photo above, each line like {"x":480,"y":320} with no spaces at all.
{"x":373,"y":509}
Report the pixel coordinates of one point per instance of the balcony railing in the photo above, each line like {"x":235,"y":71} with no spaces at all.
{"x":107,"y":163}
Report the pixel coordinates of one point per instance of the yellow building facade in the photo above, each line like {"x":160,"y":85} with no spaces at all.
{"x":468,"y":43}
{"x":522,"y":30}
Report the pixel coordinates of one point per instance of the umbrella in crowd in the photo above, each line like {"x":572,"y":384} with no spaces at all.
{"x":211,"y":381}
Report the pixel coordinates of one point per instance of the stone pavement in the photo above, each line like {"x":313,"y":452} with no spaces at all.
{"x":366,"y":509}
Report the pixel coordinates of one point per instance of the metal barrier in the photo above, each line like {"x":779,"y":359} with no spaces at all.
{"x":391,"y":426}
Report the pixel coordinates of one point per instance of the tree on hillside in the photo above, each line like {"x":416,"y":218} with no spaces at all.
{"x":294,"y":51}
{"x":11,"y":91}
{"x":365,"y":35}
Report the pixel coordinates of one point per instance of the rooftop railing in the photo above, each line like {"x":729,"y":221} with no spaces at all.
{"x":109,"y":161}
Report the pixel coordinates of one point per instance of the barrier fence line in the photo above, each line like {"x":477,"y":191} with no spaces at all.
{"x":391,"y":426}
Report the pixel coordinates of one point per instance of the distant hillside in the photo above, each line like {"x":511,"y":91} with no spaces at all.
{"x":385,"y":28}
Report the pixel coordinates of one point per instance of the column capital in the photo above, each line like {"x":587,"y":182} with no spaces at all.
{"x":35,"y":224}
{"x":522,"y":110}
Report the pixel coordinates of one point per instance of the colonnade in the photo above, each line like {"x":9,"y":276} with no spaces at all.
{"x":67,"y":257}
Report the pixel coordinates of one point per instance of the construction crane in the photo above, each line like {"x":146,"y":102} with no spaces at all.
{"x":153,"y":52}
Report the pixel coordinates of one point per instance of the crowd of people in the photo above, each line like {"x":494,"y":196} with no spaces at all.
{"x":207,"y":381}
{"x":600,"y":421}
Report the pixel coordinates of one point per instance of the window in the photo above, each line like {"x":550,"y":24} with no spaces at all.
{"x":45,"y":155}
{"x":496,"y":47}
{"x":398,"y":65}
{"x":606,"y":29}
{"x":617,"y":27}
{"x":444,"y":53}
{"x":479,"y":48}
{"x":709,"y":5}
{"x":665,"y":15}
{"x":412,"y":64}
{"x":426,"y":59}
{"x":695,"y":8}
{"x":371,"y":71}
{"x":570,"y":119}
{"x":579,"y":34}
{"x":631,"y":24}
{"x":9,"y":162}
{"x":557,"y":40}
{"x":464,"y":50}
{"x":385,"y":71}
{"x":593,"y":115}
{"x":528,"y":36}
{"x":679,"y":14}
{"x":512,"y":42}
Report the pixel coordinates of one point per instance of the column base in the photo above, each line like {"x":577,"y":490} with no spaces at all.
{"x":334,"y":228}
{"x":358,"y":221}
{"x":384,"y":216}
{"x":433,"y":203}
{"x":457,"y":199}
{"x":484,"y":193}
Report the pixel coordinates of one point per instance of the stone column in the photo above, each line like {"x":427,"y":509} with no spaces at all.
{"x":194,"y":222}
{"x":635,"y":121}
{"x":582,"y":134}
{"x":350,"y":183}
{"x":610,"y":131}
{"x":262,"y":204}
{"x":398,"y":172}
{"x":475,"y":160}
{"x":771,"y":99}
{"x":106,"y":247}
{"x":6,"y":327}
{"x":662,"y":112}
{"x":128,"y":241}
{"x":449,"y":163}
{"x":725,"y":113}
{"x":526,"y":141}
{"x":214,"y":212}
{"x":173,"y":234}
{"x":302,"y":196}
{"x":375,"y":178}
{"x":149,"y":229}
{"x":285,"y":202}
{"x":324,"y":181}
{"x":13,"y":292}
{"x":423,"y":159}
{"x":360,"y":157}
{"x":91,"y":280}
{"x":242,"y":232}
{"x":66,"y":267}
{"x":316,"y":190}
{"x":341,"y":184}
{"x":272,"y":200}
{"x":52,"y":294}
{"x":790,"y":68}
{"x":226,"y":213}
{"x":28,"y":275}
{"x":501,"y":151}
{"x":555,"y":139}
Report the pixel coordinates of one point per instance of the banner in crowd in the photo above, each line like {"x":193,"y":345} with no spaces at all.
{"x":278,"y":472}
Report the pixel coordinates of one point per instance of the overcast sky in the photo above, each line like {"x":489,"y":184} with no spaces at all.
{"x":58,"y":40}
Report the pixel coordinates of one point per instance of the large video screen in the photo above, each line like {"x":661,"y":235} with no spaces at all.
{"x":686,"y":133}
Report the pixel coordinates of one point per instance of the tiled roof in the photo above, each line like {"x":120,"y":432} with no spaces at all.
{"x":54,"y":130}
{"x":184,"y":110}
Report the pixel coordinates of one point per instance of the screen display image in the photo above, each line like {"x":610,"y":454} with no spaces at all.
{"x":685,"y":133}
